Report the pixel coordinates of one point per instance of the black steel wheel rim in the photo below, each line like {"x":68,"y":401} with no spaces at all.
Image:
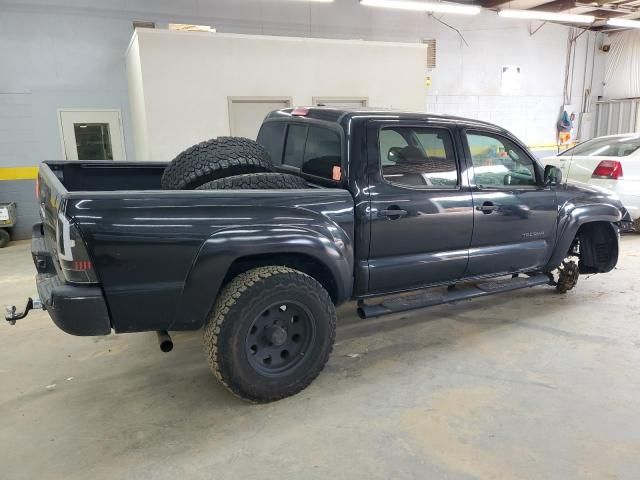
{"x":279,"y":338}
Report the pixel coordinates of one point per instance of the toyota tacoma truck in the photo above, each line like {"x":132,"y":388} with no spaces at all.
{"x":398,"y":211}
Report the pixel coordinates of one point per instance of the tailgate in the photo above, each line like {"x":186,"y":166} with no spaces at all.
{"x":51,"y":198}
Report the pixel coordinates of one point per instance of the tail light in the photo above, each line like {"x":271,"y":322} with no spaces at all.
{"x":608,"y":169}
{"x":72,"y":254}
{"x":300,"y":112}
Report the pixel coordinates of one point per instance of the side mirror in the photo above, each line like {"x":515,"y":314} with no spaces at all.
{"x":552,"y":175}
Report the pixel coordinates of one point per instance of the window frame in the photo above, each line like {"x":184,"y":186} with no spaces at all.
{"x":500,"y":137}
{"x":420,"y":125}
{"x":307,"y":122}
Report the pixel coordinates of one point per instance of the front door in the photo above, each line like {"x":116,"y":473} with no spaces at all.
{"x":421,"y":213}
{"x":514,"y":214}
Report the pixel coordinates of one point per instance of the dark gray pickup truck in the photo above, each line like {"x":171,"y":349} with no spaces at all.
{"x":442,"y":207}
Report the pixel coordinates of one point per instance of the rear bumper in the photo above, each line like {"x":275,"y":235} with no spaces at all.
{"x":78,"y":310}
{"x":75,"y":310}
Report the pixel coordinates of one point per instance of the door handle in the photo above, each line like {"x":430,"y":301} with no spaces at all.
{"x":392,"y":213}
{"x":486,"y":207}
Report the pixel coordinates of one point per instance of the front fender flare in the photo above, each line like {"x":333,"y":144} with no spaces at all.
{"x":571,"y":217}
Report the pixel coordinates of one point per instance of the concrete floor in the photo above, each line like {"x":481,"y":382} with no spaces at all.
{"x":523,"y":385}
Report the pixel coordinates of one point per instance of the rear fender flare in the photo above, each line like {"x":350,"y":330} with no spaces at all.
{"x":328,"y":245}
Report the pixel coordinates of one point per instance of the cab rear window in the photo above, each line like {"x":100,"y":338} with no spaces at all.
{"x":271,"y":137}
{"x":312,"y":149}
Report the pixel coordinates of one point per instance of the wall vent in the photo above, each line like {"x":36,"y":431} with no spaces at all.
{"x":143,"y":24}
{"x":431,"y":52}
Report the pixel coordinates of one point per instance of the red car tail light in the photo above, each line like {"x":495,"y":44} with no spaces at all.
{"x":609,"y":169}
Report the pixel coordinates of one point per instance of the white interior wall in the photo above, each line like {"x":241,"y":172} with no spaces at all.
{"x":469,"y":83}
{"x":136,"y":100}
{"x":187,"y":77}
{"x":70,"y":53}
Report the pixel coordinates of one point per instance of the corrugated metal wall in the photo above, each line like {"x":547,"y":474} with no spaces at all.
{"x":617,"y":116}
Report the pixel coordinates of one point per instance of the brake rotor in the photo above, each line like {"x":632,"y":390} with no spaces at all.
{"x":568,"y":274}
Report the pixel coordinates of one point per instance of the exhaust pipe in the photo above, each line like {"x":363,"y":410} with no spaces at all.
{"x":164,"y":340}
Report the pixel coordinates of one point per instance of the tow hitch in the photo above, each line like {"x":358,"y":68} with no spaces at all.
{"x":11,"y":313}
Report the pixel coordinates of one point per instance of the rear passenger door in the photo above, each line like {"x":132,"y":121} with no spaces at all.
{"x":421,"y":214}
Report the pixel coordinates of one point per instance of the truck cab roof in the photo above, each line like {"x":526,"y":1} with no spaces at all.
{"x":340,"y":114}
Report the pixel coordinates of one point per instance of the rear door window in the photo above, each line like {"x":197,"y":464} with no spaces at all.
{"x":418,"y":157}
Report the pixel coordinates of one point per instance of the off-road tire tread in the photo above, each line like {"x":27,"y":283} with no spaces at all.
{"x":216,"y":158}
{"x":257,"y":181}
{"x":232,"y":293}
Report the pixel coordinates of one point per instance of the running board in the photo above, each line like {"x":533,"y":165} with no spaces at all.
{"x":430,"y":297}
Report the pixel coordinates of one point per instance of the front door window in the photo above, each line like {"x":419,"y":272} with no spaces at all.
{"x":498,"y":162}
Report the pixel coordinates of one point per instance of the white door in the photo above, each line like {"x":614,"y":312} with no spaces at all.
{"x":91,"y":134}
{"x":247,"y":113}
{"x":341,"y":102}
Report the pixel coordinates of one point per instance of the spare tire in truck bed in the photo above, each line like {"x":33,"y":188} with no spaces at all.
{"x":258,"y":181}
{"x":216,"y":158}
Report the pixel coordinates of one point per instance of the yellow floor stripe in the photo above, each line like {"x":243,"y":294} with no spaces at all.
{"x":18,"y":173}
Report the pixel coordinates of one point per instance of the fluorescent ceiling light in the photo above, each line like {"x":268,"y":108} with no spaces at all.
{"x":623,"y":22}
{"x":423,"y":6}
{"x":547,"y":16}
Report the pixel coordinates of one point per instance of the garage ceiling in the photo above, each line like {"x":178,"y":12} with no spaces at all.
{"x":601,"y":9}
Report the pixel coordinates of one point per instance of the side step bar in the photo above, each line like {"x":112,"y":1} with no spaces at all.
{"x":431,"y":297}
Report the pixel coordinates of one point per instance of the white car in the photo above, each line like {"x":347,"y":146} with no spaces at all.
{"x":611,"y":162}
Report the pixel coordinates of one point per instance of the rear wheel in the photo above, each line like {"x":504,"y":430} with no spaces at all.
{"x":270,"y":334}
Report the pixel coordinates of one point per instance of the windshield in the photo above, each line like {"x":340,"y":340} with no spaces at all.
{"x":607,"y":146}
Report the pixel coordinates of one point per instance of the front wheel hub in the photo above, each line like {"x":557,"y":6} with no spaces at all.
{"x":568,"y":274}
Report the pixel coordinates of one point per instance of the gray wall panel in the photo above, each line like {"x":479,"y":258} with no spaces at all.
{"x":23,"y":193}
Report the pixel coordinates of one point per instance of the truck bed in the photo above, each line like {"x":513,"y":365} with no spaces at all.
{"x":161,"y":255}
{"x":108,"y":175}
